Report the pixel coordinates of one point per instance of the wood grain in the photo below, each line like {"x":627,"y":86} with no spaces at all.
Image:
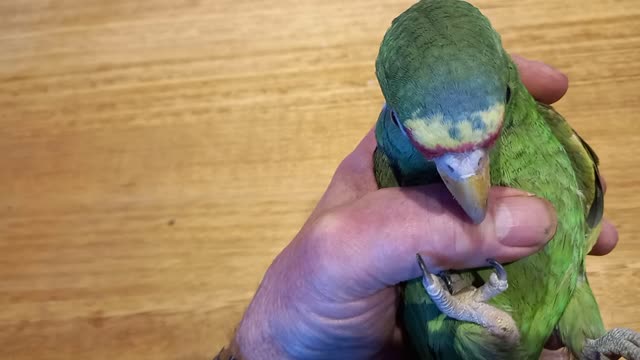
{"x":156,"y":156}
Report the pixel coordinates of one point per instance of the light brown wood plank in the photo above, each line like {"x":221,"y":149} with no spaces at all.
{"x":156,"y":156}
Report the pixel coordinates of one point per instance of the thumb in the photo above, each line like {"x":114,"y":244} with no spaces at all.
{"x":388,"y":227}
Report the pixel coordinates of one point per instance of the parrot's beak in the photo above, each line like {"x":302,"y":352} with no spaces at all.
{"x":467,"y":177}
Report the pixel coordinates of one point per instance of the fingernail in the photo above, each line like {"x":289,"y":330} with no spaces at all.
{"x":524,"y":221}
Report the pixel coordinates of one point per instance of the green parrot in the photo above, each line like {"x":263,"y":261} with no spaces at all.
{"x":457,"y":112}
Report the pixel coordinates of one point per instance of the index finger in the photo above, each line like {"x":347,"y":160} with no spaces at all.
{"x":545,"y":83}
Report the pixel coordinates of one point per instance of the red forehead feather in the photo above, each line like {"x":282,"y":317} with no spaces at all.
{"x":431,"y":153}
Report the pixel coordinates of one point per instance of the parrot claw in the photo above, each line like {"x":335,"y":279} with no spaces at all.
{"x":500,"y":271}
{"x":447,"y":280}
{"x":615,"y":343}
{"x":470,"y":304}
{"x":497,"y":282}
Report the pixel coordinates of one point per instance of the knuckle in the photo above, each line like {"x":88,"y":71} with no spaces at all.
{"x":329,"y":229}
{"x":327,"y":226}
{"x":323,"y":247}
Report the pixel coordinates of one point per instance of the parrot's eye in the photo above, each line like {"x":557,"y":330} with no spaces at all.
{"x":395,"y":118}
{"x":508,"y":96}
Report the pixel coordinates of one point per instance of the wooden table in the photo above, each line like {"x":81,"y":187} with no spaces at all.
{"x":156,"y":155}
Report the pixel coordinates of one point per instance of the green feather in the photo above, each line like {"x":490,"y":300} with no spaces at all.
{"x":536,"y":151}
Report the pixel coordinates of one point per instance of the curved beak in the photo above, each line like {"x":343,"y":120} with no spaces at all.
{"x":467,"y":177}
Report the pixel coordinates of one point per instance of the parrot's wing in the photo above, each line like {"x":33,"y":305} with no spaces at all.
{"x":581,"y":319}
{"x":585,"y":165}
{"x":385,"y":177}
{"x":580,"y":327}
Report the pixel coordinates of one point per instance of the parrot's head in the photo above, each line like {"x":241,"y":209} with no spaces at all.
{"x":445,"y":76}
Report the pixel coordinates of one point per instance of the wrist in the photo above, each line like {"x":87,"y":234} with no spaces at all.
{"x":256,"y":337}
{"x":253,"y":341}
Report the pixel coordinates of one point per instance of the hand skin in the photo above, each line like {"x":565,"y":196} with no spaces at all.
{"x":332,"y":292}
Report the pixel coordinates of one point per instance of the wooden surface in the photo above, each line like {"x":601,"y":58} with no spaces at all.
{"x":156,"y":155}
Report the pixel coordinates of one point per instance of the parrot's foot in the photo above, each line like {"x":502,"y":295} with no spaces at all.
{"x":447,"y":281}
{"x":471,"y":305}
{"x":615,"y":343}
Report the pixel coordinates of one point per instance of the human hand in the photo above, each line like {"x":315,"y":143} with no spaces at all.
{"x":332,"y":292}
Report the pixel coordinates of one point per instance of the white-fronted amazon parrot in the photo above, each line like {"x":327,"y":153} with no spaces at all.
{"x":457,"y":112}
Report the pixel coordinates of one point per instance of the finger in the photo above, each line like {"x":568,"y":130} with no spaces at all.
{"x":379,"y":236}
{"x":558,"y":354}
{"x":367,"y":144}
{"x":545,"y":83}
{"x":607,"y":240}
{"x":360,"y":161}
{"x":354,"y":176}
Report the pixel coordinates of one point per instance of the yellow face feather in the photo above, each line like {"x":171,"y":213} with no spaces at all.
{"x":434,"y":132}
